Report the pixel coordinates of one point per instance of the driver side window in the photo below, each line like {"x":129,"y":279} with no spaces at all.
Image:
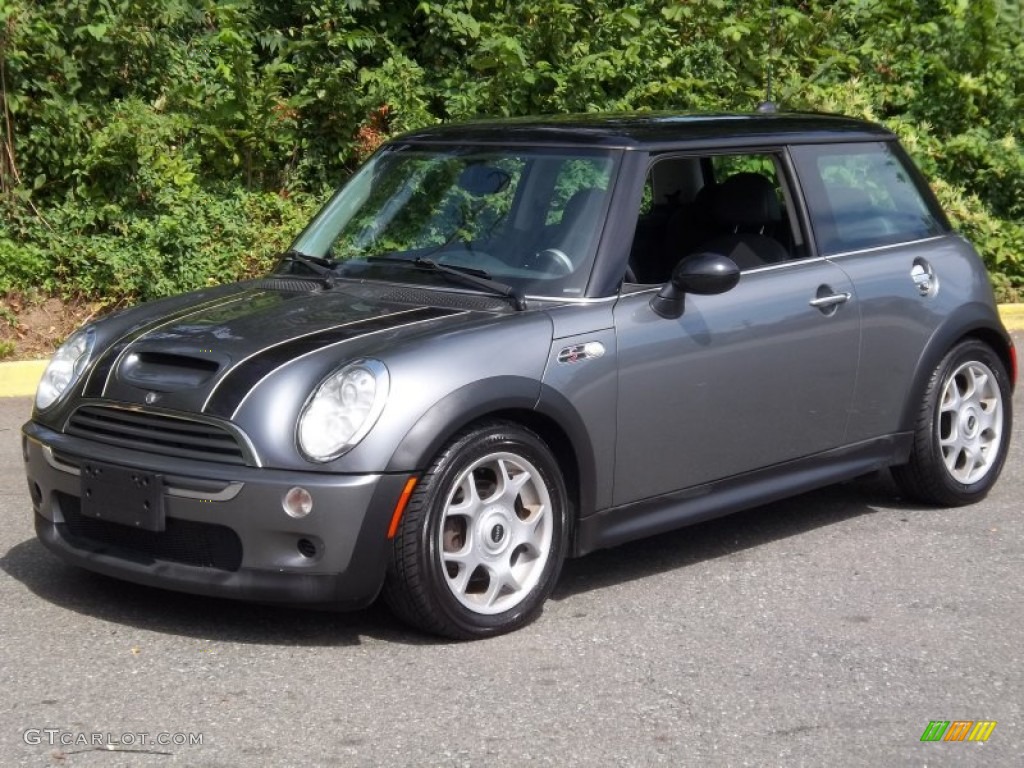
{"x":733,"y":204}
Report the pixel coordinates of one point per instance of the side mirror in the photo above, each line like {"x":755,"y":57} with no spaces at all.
{"x":703,"y":273}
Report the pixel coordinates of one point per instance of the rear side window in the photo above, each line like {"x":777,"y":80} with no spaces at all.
{"x":864,"y":195}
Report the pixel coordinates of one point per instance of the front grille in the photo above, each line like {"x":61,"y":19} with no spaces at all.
{"x":182,"y":541}
{"x":156,"y":433}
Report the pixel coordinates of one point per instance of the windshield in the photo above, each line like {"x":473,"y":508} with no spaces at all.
{"x":529,"y":218}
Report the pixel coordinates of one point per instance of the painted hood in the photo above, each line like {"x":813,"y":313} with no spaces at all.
{"x":207,"y":356}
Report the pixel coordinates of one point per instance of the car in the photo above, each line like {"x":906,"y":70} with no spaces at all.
{"x":505,"y":343}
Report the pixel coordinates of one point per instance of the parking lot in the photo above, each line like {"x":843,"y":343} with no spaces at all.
{"x":825,"y":630}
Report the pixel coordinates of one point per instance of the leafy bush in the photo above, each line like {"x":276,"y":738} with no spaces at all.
{"x":185,"y":239}
{"x":149,"y":148}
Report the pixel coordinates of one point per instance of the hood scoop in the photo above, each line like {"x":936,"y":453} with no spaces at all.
{"x":167,"y":372}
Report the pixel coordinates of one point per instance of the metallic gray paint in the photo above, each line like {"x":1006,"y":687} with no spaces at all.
{"x":348,"y":523}
{"x":750,"y":395}
{"x":745,"y":379}
{"x":899,"y":324}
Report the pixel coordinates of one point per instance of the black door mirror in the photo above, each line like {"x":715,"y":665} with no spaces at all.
{"x":703,"y":274}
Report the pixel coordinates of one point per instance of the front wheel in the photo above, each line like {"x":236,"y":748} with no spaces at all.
{"x":482,"y":540}
{"x":962,"y":431}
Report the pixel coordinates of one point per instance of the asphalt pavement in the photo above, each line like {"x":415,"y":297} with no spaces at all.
{"x":827,"y":630}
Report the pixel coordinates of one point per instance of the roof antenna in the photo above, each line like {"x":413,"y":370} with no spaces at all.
{"x":768,"y":106}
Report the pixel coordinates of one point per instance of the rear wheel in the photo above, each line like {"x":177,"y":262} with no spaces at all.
{"x":962,"y":431}
{"x":483,"y":538}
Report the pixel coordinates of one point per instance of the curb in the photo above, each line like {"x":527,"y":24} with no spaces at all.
{"x":19,"y":379}
{"x":1013,"y":316}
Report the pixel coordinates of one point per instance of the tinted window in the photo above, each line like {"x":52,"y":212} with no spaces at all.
{"x":863,"y":195}
{"x":575,"y":176}
{"x":527,"y":217}
{"x":730,"y":204}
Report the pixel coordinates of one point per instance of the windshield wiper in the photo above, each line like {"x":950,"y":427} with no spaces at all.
{"x":324,"y":268}
{"x":477,"y":278}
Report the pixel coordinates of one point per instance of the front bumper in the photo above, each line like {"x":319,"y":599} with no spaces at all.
{"x":226,"y":532}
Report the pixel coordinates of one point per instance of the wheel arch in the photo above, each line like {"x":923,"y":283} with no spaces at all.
{"x":977,"y":321}
{"x":1001,"y":345}
{"x":524,"y":401}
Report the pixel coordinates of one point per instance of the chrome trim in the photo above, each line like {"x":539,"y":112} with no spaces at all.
{"x":647,"y":288}
{"x":382,"y":388}
{"x":576,"y":353}
{"x":57,"y":464}
{"x":574,"y":300}
{"x":246,"y":444}
{"x":226,"y":494}
{"x":823,"y":302}
{"x":888,"y":246}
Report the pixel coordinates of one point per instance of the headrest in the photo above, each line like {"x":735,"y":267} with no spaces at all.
{"x":580,"y":201}
{"x":746,"y":200}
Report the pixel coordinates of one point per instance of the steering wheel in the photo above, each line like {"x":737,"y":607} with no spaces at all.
{"x":559,"y":258}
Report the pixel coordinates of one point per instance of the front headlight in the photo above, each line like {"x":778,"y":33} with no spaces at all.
{"x":342,"y":410}
{"x":65,"y":367}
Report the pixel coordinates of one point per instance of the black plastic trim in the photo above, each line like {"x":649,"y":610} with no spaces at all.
{"x":496,"y":395}
{"x":963,"y":321}
{"x":649,"y":517}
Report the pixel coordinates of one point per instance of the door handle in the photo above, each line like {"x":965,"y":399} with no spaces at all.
{"x":832,"y":300}
{"x":923,"y":276}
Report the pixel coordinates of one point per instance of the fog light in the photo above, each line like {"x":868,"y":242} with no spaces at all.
{"x":297,"y":502}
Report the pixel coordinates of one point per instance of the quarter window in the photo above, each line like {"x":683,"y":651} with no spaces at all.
{"x":862,"y":196}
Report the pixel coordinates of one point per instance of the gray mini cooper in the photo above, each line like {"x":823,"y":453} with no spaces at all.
{"x":504,"y":343}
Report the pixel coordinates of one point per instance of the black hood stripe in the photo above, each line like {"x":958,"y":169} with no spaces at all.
{"x":233,"y":388}
{"x":100,"y":373}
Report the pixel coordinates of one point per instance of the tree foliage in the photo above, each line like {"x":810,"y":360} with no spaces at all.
{"x":152,"y":147}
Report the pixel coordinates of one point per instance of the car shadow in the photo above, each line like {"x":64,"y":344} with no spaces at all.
{"x":209,"y":618}
{"x":730,"y":535}
{"x":222,"y":620}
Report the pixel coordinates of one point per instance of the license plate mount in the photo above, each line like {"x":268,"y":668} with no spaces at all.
{"x":122,"y":495}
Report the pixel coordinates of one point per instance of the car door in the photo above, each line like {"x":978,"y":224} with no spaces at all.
{"x":747,"y":379}
{"x":874,"y":217}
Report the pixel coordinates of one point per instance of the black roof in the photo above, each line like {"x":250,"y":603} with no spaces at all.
{"x":650,"y":130}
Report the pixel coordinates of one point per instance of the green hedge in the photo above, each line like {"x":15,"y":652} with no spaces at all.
{"x":149,"y":148}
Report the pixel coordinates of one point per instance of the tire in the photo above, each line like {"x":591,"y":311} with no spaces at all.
{"x":962,"y":431}
{"x":482,"y":540}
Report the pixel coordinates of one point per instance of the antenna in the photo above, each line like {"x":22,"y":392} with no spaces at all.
{"x":768,"y":106}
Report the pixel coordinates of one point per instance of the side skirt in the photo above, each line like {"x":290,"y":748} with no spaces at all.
{"x":649,"y":517}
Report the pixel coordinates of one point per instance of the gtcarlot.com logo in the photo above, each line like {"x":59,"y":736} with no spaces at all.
{"x":55,"y":737}
{"x":958,"y":730}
